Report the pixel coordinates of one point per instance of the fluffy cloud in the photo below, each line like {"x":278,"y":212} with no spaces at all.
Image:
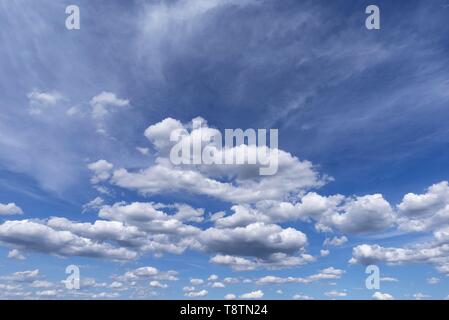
{"x":146,"y":273}
{"x":39,"y":237}
{"x":39,"y":101}
{"x":246,"y":185}
{"x":335,"y":241}
{"x":16,"y":254}
{"x":335,"y":294}
{"x":436,"y":254}
{"x":382,"y":296}
{"x":101,"y":170}
{"x":104,"y":103}
{"x":23,"y":276}
{"x":196,"y":294}
{"x":330,"y":273}
{"x":425,"y":212}
{"x":252,"y":295}
{"x":9,"y":209}
{"x":256,"y":245}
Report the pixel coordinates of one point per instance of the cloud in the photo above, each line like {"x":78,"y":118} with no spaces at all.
{"x":196,"y":282}
{"x":252,"y":295}
{"x":30,"y":235}
{"x":105,"y":103}
{"x":335,"y":241}
{"x":16,"y":254}
{"x":352,"y":215}
{"x":436,"y":254}
{"x":420,"y":296}
{"x":256,"y":245}
{"x":330,"y":273}
{"x":335,"y":294}
{"x":93,"y":204}
{"x":217,"y":285}
{"x":301,"y":296}
{"x":101,"y":169}
{"x":23,"y":276}
{"x":157,"y":284}
{"x":196,"y":294}
{"x":145,"y":273}
{"x":433,"y":280}
{"x":382,"y":296}
{"x":40,"y":101}
{"x":9,"y":209}
{"x":212,"y":277}
{"x":425,"y":212}
{"x":230,"y":296}
{"x":245,"y":185}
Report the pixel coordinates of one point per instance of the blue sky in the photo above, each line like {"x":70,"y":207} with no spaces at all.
{"x":363,"y":133}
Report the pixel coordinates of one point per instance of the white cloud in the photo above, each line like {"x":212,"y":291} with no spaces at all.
{"x":324,"y":253}
{"x":196,"y":282}
{"x":433,"y":280}
{"x":252,"y":295}
{"x":93,"y":204}
{"x":335,"y":294}
{"x":420,"y":296}
{"x":330,"y":273}
{"x":36,"y":236}
{"x":256,"y":245}
{"x":41,"y":284}
{"x":101,"y":169}
{"x":39,"y":101}
{"x":388,"y":279}
{"x":217,"y":285}
{"x":157,"y":284}
{"x":382,"y":296}
{"x":425,"y":212}
{"x":335,"y":241}
{"x":105,"y":103}
{"x":23,"y":276}
{"x":301,"y":296}
{"x":47,"y":293}
{"x":9,"y":209}
{"x":230,"y":296}
{"x":293,"y":175}
{"x":116,"y":285}
{"x":16,"y":254}
{"x":145,"y":273}
{"x":196,"y":294}
{"x":212,"y":277}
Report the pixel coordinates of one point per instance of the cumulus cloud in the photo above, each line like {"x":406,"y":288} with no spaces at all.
{"x":40,"y":101}
{"x":16,"y":254}
{"x":246,"y":185}
{"x":39,"y":237}
{"x":252,"y":295}
{"x":230,"y":296}
{"x":9,"y":209}
{"x":425,"y":212}
{"x":336,"y":294}
{"x":330,"y":273}
{"x":256,"y":245}
{"x":23,"y":276}
{"x":382,"y":296}
{"x":101,"y":170}
{"x":335,"y":241}
{"x":104,"y":103}
{"x":300,"y":296}
{"x":196,"y":294}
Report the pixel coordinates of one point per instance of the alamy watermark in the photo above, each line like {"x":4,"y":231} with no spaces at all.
{"x":72,"y":282}
{"x":372,"y":282}
{"x":206,"y":146}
